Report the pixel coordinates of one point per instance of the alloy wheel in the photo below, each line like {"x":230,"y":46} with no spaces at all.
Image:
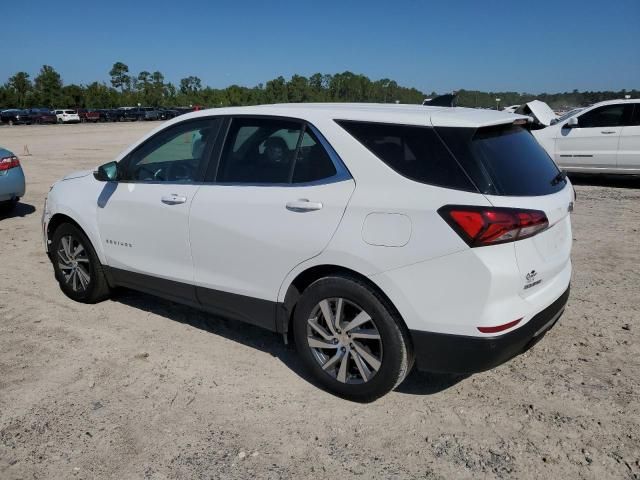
{"x":344,"y":340}
{"x":73,"y":263}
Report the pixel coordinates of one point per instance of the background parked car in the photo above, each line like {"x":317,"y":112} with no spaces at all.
{"x":39,"y":116}
{"x":15,"y":116}
{"x":12,"y":184}
{"x":167,"y":113}
{"x":67,"y":116}
{"x":141,"y":113}
{"x":110,"y":114}
{"x":88,"y":115}
{"x":602,"y":138}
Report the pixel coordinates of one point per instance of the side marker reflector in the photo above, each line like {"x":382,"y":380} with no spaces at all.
{"x":499,"y":328}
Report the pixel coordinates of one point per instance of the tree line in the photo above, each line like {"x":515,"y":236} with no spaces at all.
{"x":47,"y":89}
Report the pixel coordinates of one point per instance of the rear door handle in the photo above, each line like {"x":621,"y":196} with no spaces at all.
{"x":303,"y":205}
{"x":173,"y":199}
{"x":608,"y":132}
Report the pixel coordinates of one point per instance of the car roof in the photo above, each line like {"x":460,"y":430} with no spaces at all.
{"x":614,"y":102}
{"x":373,"y":112}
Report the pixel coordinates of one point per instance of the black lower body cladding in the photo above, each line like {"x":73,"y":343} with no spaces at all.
{"x":445,"y":353}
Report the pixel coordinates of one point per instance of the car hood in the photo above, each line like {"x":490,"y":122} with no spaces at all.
{"x":78,"y":174}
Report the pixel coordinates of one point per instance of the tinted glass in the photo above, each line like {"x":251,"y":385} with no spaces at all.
{"x":312,"y":162}
{"x":414,"y":152}
{"x":259,"y":151}
{"x":607,"y":116}
{"x":176,"y":154}
{"x":570,"y":113}
{"x":504,"y":160}
{"x":636,"y":114}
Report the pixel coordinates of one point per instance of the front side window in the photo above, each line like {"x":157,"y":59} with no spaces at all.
{"x":606,"y":116}
{"x":272,"y":151}
{"x":177,"y":154}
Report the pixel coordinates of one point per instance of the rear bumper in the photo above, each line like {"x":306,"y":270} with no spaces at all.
{"x":446,"y":353}
{"x":12,"y":184}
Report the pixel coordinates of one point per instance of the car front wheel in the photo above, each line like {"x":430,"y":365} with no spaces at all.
{"x":76,"y":265}
{"x":350,"y":339}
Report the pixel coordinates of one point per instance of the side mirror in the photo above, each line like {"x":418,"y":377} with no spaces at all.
{"x":572,"y":123}
{"x":107,"y":172}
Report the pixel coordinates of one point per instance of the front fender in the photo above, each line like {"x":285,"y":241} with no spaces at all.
{"x":78,"y":200}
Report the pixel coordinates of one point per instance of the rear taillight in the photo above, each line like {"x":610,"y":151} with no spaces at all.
{"x":482,"y":226}
{"x":9,"y":162}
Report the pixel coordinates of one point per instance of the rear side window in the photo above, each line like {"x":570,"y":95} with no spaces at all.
{"x":414,"y":152}
{"x":504,"y":160}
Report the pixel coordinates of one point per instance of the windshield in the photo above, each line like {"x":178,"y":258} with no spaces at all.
{"x":504,"y":160}
{"x":570,"y":113}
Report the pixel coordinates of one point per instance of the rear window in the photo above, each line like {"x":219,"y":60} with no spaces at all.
{"x":503,"y":160}
{"x":412,"y":151}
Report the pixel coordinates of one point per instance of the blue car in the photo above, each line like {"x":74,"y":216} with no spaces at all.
{"x":12,"y":185}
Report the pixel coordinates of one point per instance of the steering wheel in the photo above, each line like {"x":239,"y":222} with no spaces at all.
{"x":154,"y":173}
{"x":179,"y":171}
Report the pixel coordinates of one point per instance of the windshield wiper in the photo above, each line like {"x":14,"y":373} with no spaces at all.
{"x":559,"y":177}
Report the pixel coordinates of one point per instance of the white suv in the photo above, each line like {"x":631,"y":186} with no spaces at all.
{"x":375,"y":235}
{"x":67,"y":116}
{"x":603,"y":138}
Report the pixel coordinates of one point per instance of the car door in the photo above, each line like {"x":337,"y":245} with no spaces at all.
{"x":629,"y":145}
{"x":593,"y":144}
{"x":144,"y":217}
{"x":280,"y":192}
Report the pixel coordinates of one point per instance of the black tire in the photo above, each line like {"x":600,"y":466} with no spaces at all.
{"x":8,"y":206}
{"x":396,"y":352}
{"x":97,"y":288}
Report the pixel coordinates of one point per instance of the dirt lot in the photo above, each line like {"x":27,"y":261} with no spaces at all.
{"x":138,"y":387}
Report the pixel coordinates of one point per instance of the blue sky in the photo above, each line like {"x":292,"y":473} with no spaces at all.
{"x":531,"y":45}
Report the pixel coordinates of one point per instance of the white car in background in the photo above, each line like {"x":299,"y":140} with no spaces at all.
{"x":602,"y":138}
{"x":378,"y":235}
{"x":67,"y":116}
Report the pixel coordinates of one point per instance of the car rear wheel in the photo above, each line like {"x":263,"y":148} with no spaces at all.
{"x":8,"y":206}
{"x":76,"y":265}
{"x":350,"y":339}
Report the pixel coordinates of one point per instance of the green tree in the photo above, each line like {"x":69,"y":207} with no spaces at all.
{"x":48,"y":86}
{"x":21,"y":85}
{"x":276,"y":91}
{"x":190,"y":85}
{"x":120,"y":76}
{"x":298,"y":89}
{"x":98,"y":95}
{"x":72,"y":96}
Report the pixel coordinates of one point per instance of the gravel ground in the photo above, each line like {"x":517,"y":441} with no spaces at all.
{"x":139,"y":387}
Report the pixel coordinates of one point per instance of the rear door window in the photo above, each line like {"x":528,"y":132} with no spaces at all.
{"x":412,"y":151}
{"x":272,"y":151}
{"x":504,"y":160}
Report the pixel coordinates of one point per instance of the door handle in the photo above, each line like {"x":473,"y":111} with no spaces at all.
{"x":608,"y":132}
{"x":173,"y":199}
{"x":303,"y":205}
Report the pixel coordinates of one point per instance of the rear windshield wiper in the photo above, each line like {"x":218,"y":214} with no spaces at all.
{"x":559,"y":177}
